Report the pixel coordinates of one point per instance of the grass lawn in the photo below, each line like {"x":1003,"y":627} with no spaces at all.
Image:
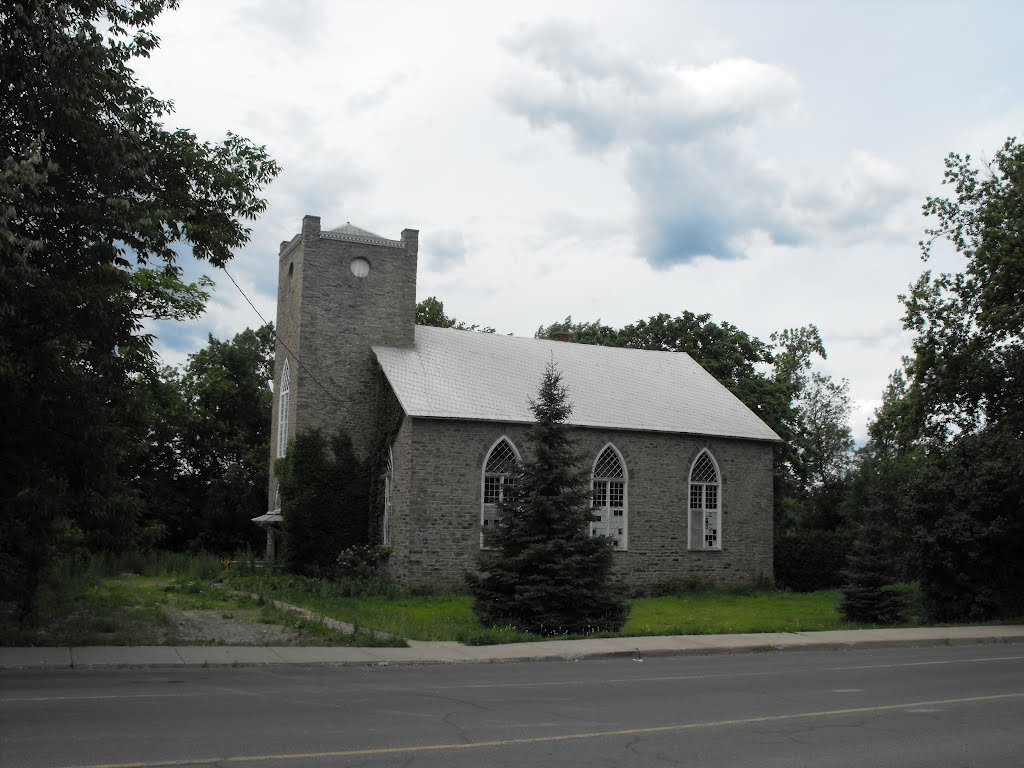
{"x":451,"y":617}
{"x":704,"y":613}
{"x":134,"y":603}
{"x":412,"y":617}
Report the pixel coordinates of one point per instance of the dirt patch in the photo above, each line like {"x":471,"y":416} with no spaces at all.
{"x":214,"y":628}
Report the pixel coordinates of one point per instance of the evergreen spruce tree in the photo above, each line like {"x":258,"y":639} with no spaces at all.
{"x":867,"y":594}
{"x":544,"y":572}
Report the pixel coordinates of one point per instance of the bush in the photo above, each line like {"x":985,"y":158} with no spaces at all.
{"x":280,"y":584}
{"x":671,"y":587}
{"x":966,"y":506}
{"x":362,"y":561}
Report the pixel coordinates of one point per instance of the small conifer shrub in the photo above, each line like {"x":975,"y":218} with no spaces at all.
{"x":867,"y":593}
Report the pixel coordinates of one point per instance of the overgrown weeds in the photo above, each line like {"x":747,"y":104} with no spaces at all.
{"x":130,"y":598}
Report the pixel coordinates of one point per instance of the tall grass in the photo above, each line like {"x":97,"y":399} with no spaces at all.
{"x":183,"y":565}
{"x":123,"y":599}
{"x":71,"y":576}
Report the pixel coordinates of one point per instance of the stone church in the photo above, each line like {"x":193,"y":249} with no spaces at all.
{"x":681,"y":470}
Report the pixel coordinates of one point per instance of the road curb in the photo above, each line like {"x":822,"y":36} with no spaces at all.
{"x":158,"y":657}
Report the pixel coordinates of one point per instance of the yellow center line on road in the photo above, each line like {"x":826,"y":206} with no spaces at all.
{"x":549,"y":739}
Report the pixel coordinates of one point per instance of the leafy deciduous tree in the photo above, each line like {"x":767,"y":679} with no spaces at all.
{"x":97,"y":194}
{"x":968,"y":362}
{"x":225,"y":439}
{"x":964,"y":501}
{"x":430,"y":312}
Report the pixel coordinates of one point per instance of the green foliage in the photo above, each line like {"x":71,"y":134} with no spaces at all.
{"x":726,"y":352}
{"x":225,"y":440}
{"x":867,"y":593}
{"x":812,"y":467}
{"x":362,"y":561}
{"x":295,"y":589}
{"x":965,"y":507}
{"x":546,"y":574}
{"x":96,"y":607}
{"x":199,"y":446}
{"x":881,"y":481}
{"x":969,"y":326}
{"x":89,"y":242}
{"x":958,"y":413}
{"x":387,"y":421}
{"x":672,"y":587}
{"x":324,"y":501}
{"x":897,"y":427}
{"x":430,"y":312}
{"x":451,"y":617}
{"x":712,"y":612}
{"x":181,"y":565}
{"x":809,"y":559}
{"x":827,"y":439}
{"x":583,"y":333}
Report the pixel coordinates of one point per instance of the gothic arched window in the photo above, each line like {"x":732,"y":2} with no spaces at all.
{"x":705,"y":503}
{"x":608,"y":484}
{"x":500,"y":468}
{"x":282,"y":410}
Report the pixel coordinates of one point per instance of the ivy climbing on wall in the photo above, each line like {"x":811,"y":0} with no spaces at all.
{"x":387,"y":421}
{"x":324,"y":493}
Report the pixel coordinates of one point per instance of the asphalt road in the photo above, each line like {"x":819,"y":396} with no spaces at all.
{"x":947,"y":706}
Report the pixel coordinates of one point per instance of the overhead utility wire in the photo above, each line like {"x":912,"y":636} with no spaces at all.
{"x":273,"y":330}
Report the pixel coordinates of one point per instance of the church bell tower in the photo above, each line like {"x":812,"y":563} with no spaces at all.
{"x":338,"y":292}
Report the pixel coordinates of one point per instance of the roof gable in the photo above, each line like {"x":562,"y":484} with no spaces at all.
{"x":454,"y":374}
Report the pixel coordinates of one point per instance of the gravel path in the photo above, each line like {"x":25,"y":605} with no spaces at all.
{"x":203,"y":627}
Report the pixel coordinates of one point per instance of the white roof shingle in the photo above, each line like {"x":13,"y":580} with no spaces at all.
{"x":453,"y":374}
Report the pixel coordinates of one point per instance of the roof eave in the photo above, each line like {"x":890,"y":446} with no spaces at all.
{"x":615,"y":428}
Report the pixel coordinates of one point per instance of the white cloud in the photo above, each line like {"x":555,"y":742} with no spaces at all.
{"x":867,"y":198}
{"x":605,"y":99}
{"x":702,"y":183}
{"x":723,"y":158}
{"x":443,"y":250}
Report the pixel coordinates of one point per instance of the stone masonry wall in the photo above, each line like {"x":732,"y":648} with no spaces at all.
{"x":438,"y":535}
{"x":289,"y":301}
{"x":342,"y":316}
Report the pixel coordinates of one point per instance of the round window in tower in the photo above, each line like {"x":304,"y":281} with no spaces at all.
{"x":360,"y":267}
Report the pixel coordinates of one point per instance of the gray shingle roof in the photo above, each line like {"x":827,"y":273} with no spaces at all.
{"x":354,"y":234}
{"x":452,"y":374}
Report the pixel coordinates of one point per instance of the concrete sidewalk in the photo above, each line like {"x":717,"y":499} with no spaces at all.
{"x":455,"y":653}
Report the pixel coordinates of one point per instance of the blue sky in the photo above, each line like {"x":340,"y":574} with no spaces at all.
{"x":762,"y":162}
